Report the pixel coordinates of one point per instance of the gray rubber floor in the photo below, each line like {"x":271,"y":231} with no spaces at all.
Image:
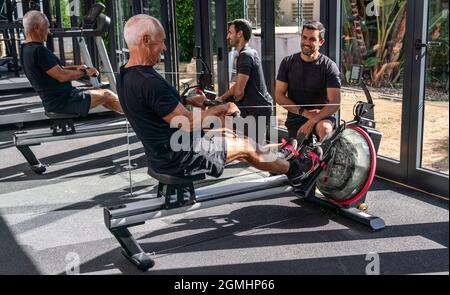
{"x":49,"y":222}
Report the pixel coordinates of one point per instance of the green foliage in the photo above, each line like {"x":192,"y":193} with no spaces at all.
{"x":371,"y":62}
{"x":185,"y":29}
{"x":277,"y":12}
{"x":384,"y":43}
{"x":381,"y":33}
{"x":235,"y":9}
{"x":438,"y":62}
{"x":154,"y":8}
{"x":65,"y":18}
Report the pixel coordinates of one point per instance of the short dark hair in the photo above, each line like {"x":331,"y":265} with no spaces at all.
{"x":244,"y":26}
{"x":316,"y":26}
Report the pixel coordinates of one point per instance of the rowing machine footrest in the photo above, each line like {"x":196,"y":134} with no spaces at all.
{"x":182,"y":187}
{"x":62,"y":124}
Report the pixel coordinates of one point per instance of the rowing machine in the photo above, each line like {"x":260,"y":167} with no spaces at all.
{"x":179,"y":198}
{"x":62,"y":128}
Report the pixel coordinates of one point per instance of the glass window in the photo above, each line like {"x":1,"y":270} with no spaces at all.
{"x":436,"y":109}
{"x":372,"y":35}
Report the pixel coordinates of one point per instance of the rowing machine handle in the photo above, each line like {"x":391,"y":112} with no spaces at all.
{"x":93,"y":76}
{"x":213,"y":103}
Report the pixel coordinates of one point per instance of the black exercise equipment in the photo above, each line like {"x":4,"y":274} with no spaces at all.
{"x":95,"y":24}
{"x":204,"y":79}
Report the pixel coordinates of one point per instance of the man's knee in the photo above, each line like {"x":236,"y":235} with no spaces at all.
{"x":324,"y":127}
{"x":108,"y":95}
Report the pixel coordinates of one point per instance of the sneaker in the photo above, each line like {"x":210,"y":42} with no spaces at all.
{"x":288,"y":149}
{"x":307,"y":164}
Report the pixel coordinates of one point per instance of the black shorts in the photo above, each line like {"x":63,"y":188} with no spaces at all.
{"x":77,"y":102}
{"x":207,"y":156}
{"x":294,"y":125}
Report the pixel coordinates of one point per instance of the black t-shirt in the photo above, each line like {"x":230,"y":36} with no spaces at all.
{"x":146,"y":98}
{"x":255,"y":92}
{"x":37,"y":60}
{"x":308,"y":81}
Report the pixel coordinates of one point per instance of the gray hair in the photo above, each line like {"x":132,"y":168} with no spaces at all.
{"x":32,"y":18}
{"x":140,"y":25}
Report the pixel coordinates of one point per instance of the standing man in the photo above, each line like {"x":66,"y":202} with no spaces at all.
{"x":308,"y":86}
{"x":250,"y":88}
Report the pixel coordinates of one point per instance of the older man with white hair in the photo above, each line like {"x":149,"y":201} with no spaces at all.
{"x":151,"y":104}
{"x":51,"y":80}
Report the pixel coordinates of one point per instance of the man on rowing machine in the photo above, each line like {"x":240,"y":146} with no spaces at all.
{"x":152,"y":106}
{"x":52,"y":81}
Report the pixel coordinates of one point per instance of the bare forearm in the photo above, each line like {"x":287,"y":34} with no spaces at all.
{"x":229,"y":93}
{"x":213,"y":112}
{"x":287,"y":103}
{"x":70,"y":75}
{"x":71,"y":68}
{"x":325,"y":112}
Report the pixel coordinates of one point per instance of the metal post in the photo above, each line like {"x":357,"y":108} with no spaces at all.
{"x":74,"y":13}
{"x":330,"y":17}
{"x":222,"y":45}
{"x":202,"y":11}
{"x":12,"y":35}
{"x":110,"y":11}
{"x":59,"y":25}
{"x":106,"y":63}
{"x":268,"y":45}
{"x":47,"y":11}
{"x":170,"y":27}
{"x":136,"y":6}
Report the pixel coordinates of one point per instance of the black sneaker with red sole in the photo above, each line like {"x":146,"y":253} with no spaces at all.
{"x":307,"y":163}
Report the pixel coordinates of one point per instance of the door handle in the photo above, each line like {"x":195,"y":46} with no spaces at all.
{"x":419,"y":45}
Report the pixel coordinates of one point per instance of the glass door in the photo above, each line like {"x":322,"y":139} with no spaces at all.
{"x":434,"y":153}
{"x":427,"y":142}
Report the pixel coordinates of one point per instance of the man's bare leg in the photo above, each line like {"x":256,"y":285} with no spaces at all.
{"x":323,"y":128}
{"x":229,"y":133}
{"x":245,"y":149}
{"x":106,"y":98}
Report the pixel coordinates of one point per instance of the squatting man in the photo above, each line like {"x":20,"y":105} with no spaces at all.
{"x":151,"y":104}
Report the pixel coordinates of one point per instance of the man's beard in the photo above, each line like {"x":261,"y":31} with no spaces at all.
{"x":306,"y":50}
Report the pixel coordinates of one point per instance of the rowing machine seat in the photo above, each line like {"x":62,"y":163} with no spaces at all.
{"x":174,"y":180}
{"x":60,"y":116}
{"x":181,"y":186}
{"x":62,"y":124}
